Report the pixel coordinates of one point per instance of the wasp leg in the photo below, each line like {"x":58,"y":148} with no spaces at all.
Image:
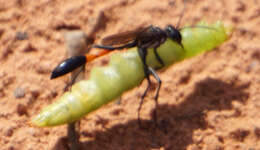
{"x":129,"y":45}
{"x":142,"y":53}
{"x":153,"y":72}
{"x":157,"y":56}
{"x":72,"y":81}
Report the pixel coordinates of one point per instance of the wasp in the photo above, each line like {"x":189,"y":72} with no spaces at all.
{"x":143,"y":38}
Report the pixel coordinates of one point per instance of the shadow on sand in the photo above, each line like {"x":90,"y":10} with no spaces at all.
{"x":176,"y":124}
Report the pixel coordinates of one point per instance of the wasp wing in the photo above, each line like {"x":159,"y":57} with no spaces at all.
{"x":123,"y":38}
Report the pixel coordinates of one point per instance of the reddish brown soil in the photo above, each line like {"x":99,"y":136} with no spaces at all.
{"x":210,"y":102}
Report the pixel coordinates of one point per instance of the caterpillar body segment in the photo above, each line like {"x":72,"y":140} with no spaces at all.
{"x":125,"y":71}
{"x":207,"y":38}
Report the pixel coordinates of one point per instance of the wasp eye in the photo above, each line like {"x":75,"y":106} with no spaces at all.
{"x":173,"y":33}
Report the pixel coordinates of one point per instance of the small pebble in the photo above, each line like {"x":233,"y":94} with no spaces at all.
{"x":252,"y":66}
{"x":28,"y":48}
{"x":46,"y":132}
{"x":6,"y":52}
{"x":19,"y":92}
{"x":31,"y":131}
{"x":8,"y":80}
{"x":257,"y":132}
{"x":21,"y":109}
{"x":49,"y":95}
{"x":43,"y":68}
{"x":9,"y":132}
{"x":21,"y":35}
{"x":239,"y":134}
{"x":35,"y":93}
{"x":241,"y":7}
{"x":1,"y":32}
{"x":11,"y":147}
{"x":2,"y":94}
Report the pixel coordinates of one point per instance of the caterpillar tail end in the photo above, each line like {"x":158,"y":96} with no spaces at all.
{"x":47,"y":119}
{"x":37,"y":122}
{"x":71,"y":106}
{"x":55,"y":114}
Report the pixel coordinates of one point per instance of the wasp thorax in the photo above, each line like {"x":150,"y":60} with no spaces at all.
{"x":173,"y":33}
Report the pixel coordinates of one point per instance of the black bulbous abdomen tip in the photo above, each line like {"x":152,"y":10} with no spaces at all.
{"x":68,"y":65}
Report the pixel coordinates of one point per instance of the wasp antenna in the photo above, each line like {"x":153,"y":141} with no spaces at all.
{"x":68,"y":65}
{"x":199,"y":26}
{"x":182,"y":13}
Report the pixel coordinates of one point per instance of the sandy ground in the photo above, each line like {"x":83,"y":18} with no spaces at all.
{"x":210,"y":102}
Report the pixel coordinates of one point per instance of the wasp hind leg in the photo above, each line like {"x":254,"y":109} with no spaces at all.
{"x":147,"y":71}
{"x":142,"y":53}
{"x":73,"y":79}
{"x":153,"y":72}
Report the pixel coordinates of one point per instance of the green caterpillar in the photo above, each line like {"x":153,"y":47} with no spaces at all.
{"x":124,"y":72}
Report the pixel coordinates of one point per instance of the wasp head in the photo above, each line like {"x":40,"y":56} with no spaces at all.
{"x":173,"y":33}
